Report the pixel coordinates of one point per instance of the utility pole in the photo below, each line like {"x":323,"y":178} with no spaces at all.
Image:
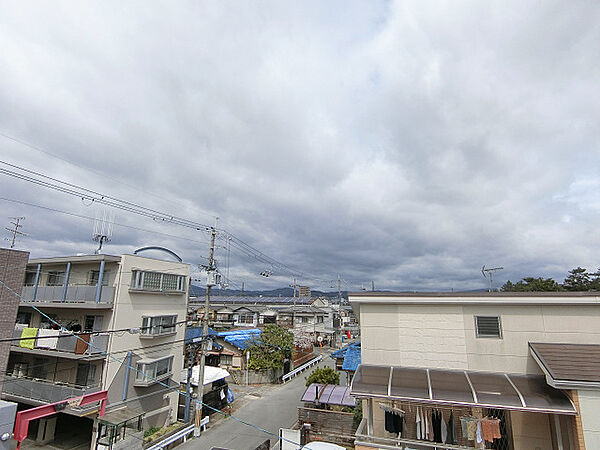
{"x":294,"y":307}
{"x":15,"y":231}
{"x":339,"y":283}
{"x":372,"y":285}
{"x":210,"y":281}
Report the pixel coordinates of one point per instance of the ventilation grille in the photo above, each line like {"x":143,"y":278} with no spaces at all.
{"x":488,"y":326}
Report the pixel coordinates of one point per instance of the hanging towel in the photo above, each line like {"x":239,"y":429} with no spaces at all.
{"x":479,"y":434}
{"x":490,"y":429}
{"x":28,"y":337}
{"x":471,"y":429}
{"x":430,"y":428}
{"x":50,"y":338}
{"x":418,"y":422}
{"x":82,"y":343}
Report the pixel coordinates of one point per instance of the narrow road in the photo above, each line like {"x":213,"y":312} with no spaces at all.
{"x":276,"y":409}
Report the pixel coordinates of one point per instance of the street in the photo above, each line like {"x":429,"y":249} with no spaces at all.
{"x":276,"y":409}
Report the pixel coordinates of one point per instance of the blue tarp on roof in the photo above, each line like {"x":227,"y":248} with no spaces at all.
{"x":352,"y":358}
{"x":196,"y":332}
{"x":341,"y":352}
{"x":242,"y":339}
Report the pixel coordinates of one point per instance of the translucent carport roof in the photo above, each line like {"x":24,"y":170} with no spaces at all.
{"x":465,"y":388}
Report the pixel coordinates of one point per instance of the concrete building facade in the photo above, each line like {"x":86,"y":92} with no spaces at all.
{"x":131,"y":307}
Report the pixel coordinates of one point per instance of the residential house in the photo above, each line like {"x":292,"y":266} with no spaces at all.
{"x":347,"y":359}
{"x":131,"y":307}
{"x":530,"y":360}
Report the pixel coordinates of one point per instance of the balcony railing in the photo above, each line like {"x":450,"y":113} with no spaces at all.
{"x":43,"y":391}
{"x":75,"y":294}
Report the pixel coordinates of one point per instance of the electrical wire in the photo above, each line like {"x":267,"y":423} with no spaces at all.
{"x":162,"y":383}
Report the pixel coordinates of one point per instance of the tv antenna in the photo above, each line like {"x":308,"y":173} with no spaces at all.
{"x":103,"y":227}
{"x":15,"y":231}
{"x":489,"y":274}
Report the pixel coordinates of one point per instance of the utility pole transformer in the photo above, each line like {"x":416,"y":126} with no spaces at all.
{"x":209,"y":284}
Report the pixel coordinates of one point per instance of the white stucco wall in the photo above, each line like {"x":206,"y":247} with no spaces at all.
{"x":443,"y":335}
{"x":589,"y":403}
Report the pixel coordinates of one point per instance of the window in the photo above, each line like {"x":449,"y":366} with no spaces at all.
{"x":157,"y":325}
{"x":303,"y":319}
{"x":94,"y":275}
{"x":488,"y":327}
{"x":156,"y":281}
{"x":226,"y":360}
{"x":148,"y":372}
{"x":29,"y":278}
{"x":86,"y":375}
{"x":56,"y":278}
{"x":92,"y":323}
{"x":247,"y":318}
{"x":24,"y":317}
{"x":319,"y":319}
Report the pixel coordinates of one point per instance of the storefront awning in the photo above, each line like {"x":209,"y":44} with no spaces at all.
{"x":465,"y":388}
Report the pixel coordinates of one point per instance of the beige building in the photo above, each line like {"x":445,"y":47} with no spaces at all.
{"x":481,"y":355}
{"x":131,"y":307}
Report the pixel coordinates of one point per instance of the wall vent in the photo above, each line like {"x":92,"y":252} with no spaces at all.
{"x":488,"y":327}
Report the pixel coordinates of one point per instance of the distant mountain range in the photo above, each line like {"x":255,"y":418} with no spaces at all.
{"x":199,"y":291}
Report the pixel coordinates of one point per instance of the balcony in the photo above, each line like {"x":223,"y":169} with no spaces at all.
{"x":38,"y":392}
{"x":76,"y":296}
{"x":66,"y":345}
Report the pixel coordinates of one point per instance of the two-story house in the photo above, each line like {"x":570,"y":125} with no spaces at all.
{"x":519,"y":369}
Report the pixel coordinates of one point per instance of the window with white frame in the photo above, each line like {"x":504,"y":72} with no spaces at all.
{"x":157,"y":325}
{"x":148,"y":372}
{"x":319,"y":319}
{"x":246,"y":318}
{"x":157,"y":281}
{"x":56,"y":278}
{"x":94,"y":276}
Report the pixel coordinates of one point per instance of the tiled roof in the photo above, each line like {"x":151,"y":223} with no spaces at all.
{"x":569,"y":362}
{"x":260,"y":300}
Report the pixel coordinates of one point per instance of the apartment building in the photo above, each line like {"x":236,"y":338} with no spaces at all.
{"x":527,"y":363}
{"x":129,"y":306}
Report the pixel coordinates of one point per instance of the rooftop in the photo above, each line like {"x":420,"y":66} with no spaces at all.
{"x":568,"y":364}
{"x":504,"y":298}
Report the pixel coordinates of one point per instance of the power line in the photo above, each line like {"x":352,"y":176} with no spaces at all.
{"x":151,"y":378}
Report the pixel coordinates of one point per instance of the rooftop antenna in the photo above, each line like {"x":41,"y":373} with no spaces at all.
{"x":15,"y":231}
{"x":489,"y":274}
{"x":103,"y":226}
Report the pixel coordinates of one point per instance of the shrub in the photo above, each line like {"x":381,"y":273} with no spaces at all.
{"x":326,"y":375}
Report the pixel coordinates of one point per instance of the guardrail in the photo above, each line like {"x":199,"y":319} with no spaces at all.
{"x":181,"y":434}
{"x":288,"y":376}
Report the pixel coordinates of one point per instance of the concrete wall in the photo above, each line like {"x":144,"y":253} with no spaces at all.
{"x":267,"y":376}
{"x":443,"y":336}
{"x":129,"y":307}
{"x":589,"y":402}
{"x":12,"y":273}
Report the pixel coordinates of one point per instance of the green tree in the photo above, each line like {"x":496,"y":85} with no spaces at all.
{"x":595,"y":281}
{"x":270,"y":349}
{"x":530,"y":284}
{"x":578,"y":280}
{"x":326,"y":375}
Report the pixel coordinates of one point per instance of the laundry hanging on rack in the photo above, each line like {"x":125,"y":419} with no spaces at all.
{"x":490,"y":429}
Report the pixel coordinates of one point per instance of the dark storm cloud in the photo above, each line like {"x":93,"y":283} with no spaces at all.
{"x":407,"y":143}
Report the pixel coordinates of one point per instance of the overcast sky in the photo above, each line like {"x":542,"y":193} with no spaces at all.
{"x":408,"y":143}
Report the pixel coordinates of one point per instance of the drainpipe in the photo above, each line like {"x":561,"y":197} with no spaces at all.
{"x":66,"y":283}
{"x":100,"y":277}
{"x":126,"y":384}
{"x":36,"y":282}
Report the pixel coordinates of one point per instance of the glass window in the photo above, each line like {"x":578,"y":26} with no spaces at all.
{"x":149,"y":371}
{"x":156,"y":281}
{"x":158,"y":325}
{"x":56,"y":278}
{"x":29,"y":278}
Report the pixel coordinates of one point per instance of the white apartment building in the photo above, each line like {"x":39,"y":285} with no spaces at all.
{"x":132,"y":307}
{"x":530,"y":359}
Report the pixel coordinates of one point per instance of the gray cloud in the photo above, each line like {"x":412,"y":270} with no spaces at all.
{"x":401,"y":142}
